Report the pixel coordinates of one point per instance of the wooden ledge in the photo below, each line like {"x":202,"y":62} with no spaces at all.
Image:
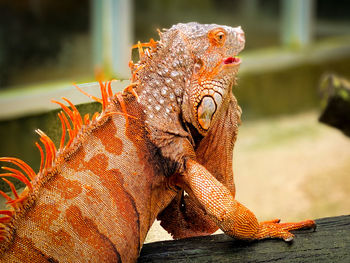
{"x":329,"y":243}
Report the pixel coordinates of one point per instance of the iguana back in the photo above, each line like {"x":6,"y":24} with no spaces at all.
{"x":97,"y":200}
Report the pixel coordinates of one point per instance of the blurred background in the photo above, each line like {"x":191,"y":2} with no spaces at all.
{"x":47,"y":40}
{"x":287,"y":164}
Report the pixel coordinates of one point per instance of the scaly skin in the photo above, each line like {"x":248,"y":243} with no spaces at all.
{"x":172,"y":130}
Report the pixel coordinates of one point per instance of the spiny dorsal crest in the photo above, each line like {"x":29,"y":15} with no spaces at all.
{"x":74,"y":127}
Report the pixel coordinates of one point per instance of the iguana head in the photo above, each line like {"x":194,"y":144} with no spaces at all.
{"x":194,"y":63}
{"x":213,"y":52}
{"x":213,"y":49}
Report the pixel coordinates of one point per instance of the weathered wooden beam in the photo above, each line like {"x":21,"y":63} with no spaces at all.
{"x":329,"y":243}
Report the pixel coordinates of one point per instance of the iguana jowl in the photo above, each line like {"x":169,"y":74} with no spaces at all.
{"x":161,"y":149}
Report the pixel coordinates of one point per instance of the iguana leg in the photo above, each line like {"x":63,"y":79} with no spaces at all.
{"x":232,"y":217}
{"x":185,"y":217}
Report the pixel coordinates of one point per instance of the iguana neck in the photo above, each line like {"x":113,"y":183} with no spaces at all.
{"x":225,"y":129}
{"x":163,"y":77}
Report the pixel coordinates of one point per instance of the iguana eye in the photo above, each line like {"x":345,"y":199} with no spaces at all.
{"x":220,"y":35}
{"x":217,"y":36}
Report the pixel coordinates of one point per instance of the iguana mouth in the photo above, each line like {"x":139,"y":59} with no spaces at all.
{"x":232,"y":61}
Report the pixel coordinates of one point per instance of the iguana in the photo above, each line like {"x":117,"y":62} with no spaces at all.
{"x":162,"y":149}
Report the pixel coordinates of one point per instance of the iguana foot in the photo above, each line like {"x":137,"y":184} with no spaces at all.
{"x":275,"y":229}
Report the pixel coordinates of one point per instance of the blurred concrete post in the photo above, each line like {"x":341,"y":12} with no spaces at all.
{"x":297,"y":22}
{"x":112,"y":36}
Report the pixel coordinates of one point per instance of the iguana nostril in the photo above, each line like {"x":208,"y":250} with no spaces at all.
{"x":240,"y":34}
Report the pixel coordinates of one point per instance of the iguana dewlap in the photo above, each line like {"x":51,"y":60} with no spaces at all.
{"x":161,"y":149}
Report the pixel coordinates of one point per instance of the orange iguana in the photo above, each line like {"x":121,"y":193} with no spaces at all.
{"x":160,"y":149}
